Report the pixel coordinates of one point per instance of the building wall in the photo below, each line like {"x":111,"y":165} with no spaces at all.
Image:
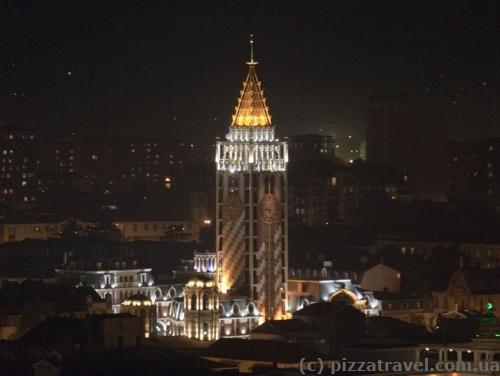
{"x":7,"y":333}
{"x":458,"y":296}
{"x":18,"y":173}
{"x":311,"y":146}
{"x":387,"y":125}
{"x":119,"y":332}
{"x":22,"y":231}
{"x":201,"y":313}
{"x":116,"y":285}
{"x":183,"y":230}
{"x":485,"y":255}
{"x":473,"y":170}
{"x":158,"y":230}
{"x":381,"y":278}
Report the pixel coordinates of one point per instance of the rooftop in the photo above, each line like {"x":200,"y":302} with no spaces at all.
{"x":262,"y":350}
{"x":328,"y":309}
{"x":294,"y":326}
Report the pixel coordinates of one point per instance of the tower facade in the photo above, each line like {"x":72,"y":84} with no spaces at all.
{"x":201,"y":309}
{"x":251,"y":204}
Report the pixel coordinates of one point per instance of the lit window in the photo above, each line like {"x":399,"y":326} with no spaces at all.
{"x":168,"y":183}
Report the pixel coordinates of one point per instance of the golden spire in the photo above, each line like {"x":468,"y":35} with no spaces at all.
{"x":251,"y":62}
{"x":251,"y":110}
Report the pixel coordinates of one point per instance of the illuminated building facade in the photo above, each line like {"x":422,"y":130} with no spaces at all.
{"x":141,"y":306}
{"x":116,"y":281}
{"x":235,"y":316}
{"x":201,"y":301}
{"x":251,"y":204}
{"x":205,"y":262}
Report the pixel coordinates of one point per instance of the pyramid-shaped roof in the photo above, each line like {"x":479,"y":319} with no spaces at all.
{"x":251,"y":110}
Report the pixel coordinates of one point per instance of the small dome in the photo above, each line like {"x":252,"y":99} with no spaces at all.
{"x":201,"y":281}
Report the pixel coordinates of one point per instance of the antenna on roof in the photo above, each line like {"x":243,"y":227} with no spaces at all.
{"x":252,"y":61}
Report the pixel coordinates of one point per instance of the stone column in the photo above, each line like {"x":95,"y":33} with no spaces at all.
{"x":417,"y":354}
{"x":476,"y":359}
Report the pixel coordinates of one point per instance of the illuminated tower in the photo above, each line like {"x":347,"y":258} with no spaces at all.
{"x":201,"y":309}
{"x":251,"y":186}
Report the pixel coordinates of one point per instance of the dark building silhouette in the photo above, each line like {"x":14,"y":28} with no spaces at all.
{"x":472,"y":170}
{"x":311,"y":146}
{"x":387,"y":130}
{"x":406,"y":132}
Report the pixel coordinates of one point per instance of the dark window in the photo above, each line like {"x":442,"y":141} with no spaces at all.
{"x":193,"y":302}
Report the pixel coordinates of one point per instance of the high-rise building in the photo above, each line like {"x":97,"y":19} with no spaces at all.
{"x":387,"y":130}
{"x":251,"y":204}
{"x":406,"y":132}
{"x":18,"y":171}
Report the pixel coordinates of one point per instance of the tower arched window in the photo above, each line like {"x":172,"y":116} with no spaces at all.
{"x":236,"y":309}
{"x":193,"y":302}
{"x":205,"y":302}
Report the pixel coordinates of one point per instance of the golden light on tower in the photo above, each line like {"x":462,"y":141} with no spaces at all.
{"x":252,"y":259}
{"x":251,"y":110}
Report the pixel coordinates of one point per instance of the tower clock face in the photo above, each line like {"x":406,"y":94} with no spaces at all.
{"x":233,"y":207}
{"x":269,"y":208}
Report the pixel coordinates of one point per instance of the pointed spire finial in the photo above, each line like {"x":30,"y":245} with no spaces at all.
{"x":251,"y":110}
{"x":252,"y":61}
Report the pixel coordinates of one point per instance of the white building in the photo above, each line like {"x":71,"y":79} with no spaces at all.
{"x":381,"y":278}
{"x":116,"y":280}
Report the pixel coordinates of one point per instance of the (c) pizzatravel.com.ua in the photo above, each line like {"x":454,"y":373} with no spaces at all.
{"x":319,"y":366}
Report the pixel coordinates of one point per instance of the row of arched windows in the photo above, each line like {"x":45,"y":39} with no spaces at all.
{"x":194,"y":301}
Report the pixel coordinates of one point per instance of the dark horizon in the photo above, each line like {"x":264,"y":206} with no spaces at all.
{"x":175,"y":70}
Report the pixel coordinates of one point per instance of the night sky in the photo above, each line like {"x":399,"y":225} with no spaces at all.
{"x":174,"y":68}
